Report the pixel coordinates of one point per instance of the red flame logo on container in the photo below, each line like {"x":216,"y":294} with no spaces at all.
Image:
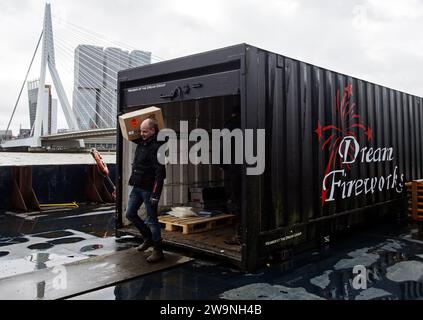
{"x":330,"y":136}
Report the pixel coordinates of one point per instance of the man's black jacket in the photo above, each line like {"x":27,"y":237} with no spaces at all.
{"x":147,"y":173}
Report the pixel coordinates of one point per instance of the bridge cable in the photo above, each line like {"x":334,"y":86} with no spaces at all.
{"x":23,"y":84}
{"x":88,"y":81}
{"x":100,"y":36}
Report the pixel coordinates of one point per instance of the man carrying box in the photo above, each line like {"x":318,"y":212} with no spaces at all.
{"x":147,"y":180}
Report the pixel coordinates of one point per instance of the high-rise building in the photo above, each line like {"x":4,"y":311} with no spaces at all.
{"x":50,"y":115}
{"x":24,"y":133}
{"x":139,"y":58}
{"x":95,"y":85}
{"x":6,"y":135}
{"x":115,"y":59}
{"x":88,"y":79}
{"x":32,"y":100}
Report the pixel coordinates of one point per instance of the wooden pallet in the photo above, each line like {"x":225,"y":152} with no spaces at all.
{"x":415,"y":199}
{"x":195,"y":224}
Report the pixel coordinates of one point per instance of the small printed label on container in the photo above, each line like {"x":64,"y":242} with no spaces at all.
{"x":286,"y":238}
{"x":147,"y":87}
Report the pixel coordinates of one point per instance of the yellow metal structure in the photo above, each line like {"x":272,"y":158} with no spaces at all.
{"x":68,"y":205}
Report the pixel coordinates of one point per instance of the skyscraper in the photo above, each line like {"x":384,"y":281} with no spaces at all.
{"x":32,"y":100}
{"x":139,"y":58}
{"x":95,"y":85}
{"x":50,"y":115}
{"x":88,"y":80}
{"x":115,"y":60}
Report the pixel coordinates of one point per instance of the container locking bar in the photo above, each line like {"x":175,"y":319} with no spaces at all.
{"x":179,"y":91}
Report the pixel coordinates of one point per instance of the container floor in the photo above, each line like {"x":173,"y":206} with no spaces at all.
{"x":208,"y":242}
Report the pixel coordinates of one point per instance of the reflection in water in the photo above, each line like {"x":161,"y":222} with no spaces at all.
{"x":40,"y":246}
{"x":341,"y":281}
{"x":54,"y":234}
{"x":66,"y":240}
{"x":142,"y":289}
{"x":411,"y":290}
{"x":178,"y":284}
{"x":7,"y":241}
{"x":41,"y":289}
{"x":50,"y":232}
{"x":40,"y":259}
{"x":91,"y":247}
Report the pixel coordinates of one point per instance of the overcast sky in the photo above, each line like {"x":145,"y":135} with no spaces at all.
{"x":376,"y":40}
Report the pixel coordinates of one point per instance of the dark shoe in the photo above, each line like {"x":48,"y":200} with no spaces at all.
{"x":145,"y":245}
{"x":157,"y":254}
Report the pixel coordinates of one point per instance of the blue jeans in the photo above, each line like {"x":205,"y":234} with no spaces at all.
{"x":136,"y":199}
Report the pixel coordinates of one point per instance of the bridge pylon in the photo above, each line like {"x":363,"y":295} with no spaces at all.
{"x":48,"y":60}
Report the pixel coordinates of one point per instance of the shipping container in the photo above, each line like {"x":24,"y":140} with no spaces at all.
{"x":337,"y":149}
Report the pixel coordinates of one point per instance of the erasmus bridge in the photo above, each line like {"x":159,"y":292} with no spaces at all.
{"x":93,"y":113}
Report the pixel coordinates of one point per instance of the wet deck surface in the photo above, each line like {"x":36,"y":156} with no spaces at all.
{"x":34,"y":241}
{"x":31,"y":242}
{"x":394,"y":263}
{"x":212,"y":241}
{"x":67,"y":280}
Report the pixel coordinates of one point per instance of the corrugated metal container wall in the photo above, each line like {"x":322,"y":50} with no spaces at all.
{"x":308,"y":111}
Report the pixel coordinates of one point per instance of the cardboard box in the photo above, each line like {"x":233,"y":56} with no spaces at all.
{"x":130,"y":122}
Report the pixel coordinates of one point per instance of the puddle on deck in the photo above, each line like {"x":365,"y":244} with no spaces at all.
{"x":28,"y":244}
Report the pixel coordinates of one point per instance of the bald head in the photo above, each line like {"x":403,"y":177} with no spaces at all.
{"x":148,"y":128}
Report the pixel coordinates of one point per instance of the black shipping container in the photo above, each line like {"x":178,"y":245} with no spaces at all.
{"x":338,"y":149}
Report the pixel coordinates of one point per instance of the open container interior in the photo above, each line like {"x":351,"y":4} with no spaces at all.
{"x":181,"y":178}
